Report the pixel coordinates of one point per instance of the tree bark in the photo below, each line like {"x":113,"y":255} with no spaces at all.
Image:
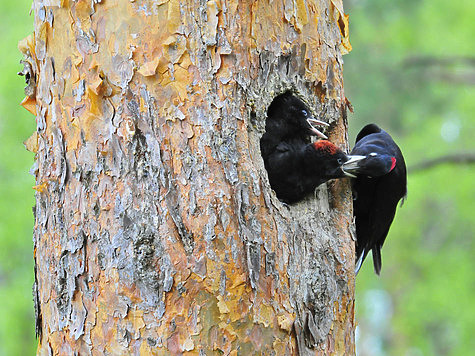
{"x":156,"y":229}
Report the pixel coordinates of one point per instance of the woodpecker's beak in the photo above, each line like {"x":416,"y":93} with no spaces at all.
{"x":351,"y":166}
{"x":312,"y":121}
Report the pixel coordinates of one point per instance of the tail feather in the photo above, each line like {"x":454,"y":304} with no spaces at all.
{"x":377,"y":259}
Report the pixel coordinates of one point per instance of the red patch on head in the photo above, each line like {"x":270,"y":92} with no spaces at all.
{"x":393,"y":163}
{"x":326,"y":146}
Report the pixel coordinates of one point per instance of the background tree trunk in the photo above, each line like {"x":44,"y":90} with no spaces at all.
{"x":156,"y":229}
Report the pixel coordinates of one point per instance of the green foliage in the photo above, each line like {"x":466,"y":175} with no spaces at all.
{"x":409,"y":72}
{"x":17,"y":335}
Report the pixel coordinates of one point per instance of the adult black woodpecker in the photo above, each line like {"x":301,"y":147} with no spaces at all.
{"x":380,"y":183}
{"x":294,"y":165}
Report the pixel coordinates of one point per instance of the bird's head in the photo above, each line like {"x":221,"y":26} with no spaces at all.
{"x":329,"y":160}
{"x":372,"y":165}
{"x":295,"y":117}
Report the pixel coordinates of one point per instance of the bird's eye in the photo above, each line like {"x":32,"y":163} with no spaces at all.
{"x":339,"y":161}
{"x":304,"y":113}
{"x":373,"y":154}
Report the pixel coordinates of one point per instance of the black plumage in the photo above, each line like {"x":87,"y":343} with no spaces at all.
{"x":288,"y":120}
{"x":294,"y":165}
{"x":379,"y":185}
{"x":296,"y":169}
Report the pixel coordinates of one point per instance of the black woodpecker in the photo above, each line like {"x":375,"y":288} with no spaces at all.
{"x":379,"y":184}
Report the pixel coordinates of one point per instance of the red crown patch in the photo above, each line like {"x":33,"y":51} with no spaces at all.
{"x":327,"y":146}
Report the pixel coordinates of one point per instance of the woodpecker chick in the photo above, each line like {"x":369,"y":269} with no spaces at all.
{"x":288,"y":120}
{"x":289,"y":116}
{"x":296,"y":169}
{"x":380,"y":183}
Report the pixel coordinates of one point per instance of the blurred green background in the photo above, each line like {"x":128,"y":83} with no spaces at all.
{"x":412,"y":71}
{"x":17,"y":325}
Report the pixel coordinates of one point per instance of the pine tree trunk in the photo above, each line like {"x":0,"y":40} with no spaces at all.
{"x":156,"y":229}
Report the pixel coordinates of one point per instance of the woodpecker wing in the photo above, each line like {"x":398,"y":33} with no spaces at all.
{"x":376,"y":221}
